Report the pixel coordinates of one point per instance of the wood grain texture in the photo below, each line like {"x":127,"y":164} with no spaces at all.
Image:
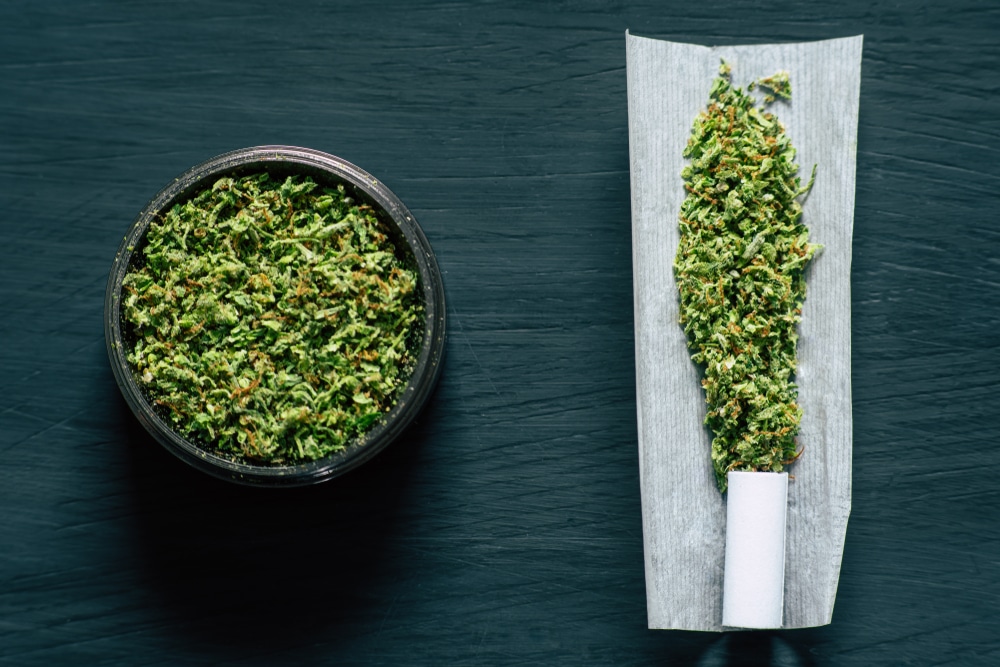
{"x":505,"y":529}
{"x":684,"y":516}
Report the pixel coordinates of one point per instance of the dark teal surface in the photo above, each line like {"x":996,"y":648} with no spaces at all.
{"x":504,"y":528}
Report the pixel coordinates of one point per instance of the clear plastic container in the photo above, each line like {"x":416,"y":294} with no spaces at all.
{"x":327,"y":170}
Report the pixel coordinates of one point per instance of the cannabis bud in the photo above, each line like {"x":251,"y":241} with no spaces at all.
{"x":739,"y":269}
{"x":273,"y":320}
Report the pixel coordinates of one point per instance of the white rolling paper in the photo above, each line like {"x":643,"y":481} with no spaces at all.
{"x":684,"y":515}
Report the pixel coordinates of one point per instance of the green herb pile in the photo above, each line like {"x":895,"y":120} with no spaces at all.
{"x":739,"y":269}
{"x":272,"y":319}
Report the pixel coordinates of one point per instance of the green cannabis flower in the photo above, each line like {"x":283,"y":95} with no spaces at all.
{"x":273,"y":320}
{"x":739,"y":269}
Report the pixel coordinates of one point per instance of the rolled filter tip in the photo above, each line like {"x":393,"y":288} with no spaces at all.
{"x":753,"y":589}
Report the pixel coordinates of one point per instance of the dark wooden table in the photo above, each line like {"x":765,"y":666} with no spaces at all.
{"x":504,"y":528}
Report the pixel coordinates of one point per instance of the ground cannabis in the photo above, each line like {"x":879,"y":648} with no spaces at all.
{"x":272,"y":319}
{"x":739,"y":270}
